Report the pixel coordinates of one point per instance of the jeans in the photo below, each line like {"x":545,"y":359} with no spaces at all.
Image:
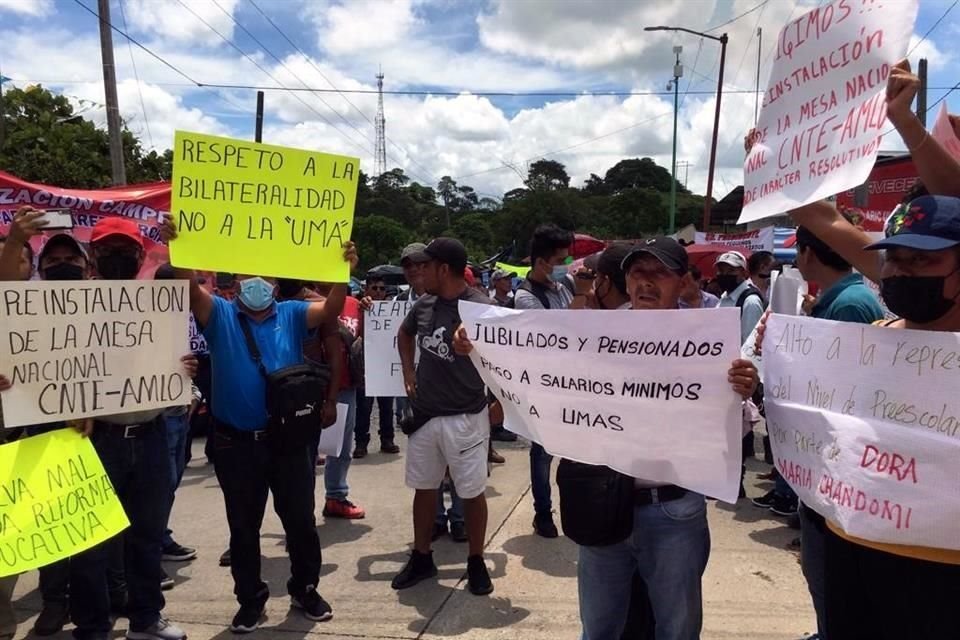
{"x":782,"y":487}
{"x":178,"y":438}
{"x":365,"y":412}
{"x":140,"y":472}
{"x":668,"y":548}
{"x":454,"y":513}
{"x":813,"y":563}
{"x":8,"y":619}
{"x":335,"y":470}
{"x":247,"y":471}
{"x":540,"y":462}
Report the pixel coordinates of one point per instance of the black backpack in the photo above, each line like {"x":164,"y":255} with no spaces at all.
{"x":295,"y":398}
{"x":596,"y":503}
{"x":536,"y":289}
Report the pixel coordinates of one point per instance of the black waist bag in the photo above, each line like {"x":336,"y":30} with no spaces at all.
{"x":596,"y":504}
{"x":295,"y":399}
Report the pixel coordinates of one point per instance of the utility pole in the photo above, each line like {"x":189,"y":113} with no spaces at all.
{"x":922,"y":93}
{"x":677,"y":74}
{"x":114,"y":129}
{"x":258,"y":129}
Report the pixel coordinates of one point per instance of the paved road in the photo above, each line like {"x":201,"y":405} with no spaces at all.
{"x":753,"y":586}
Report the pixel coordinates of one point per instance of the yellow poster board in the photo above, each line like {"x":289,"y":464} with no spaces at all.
{"x":55,"y":501}
{"x":520,"y":271}
{"x":259,"y":209}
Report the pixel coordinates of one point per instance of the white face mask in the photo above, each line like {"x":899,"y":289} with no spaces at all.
{"x":559,"y":273}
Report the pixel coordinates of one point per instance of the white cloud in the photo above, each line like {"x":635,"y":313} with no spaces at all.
{"x":345,"y":29}
{"x":34,"y":8}
{"x":171,"y":21}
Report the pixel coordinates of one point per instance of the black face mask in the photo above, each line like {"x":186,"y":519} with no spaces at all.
{"x":917,"y":299}
{"x":289,"y":288}
{"x":63,"y":271}
{"x":118,"y":266}
{"x":727,"y":281}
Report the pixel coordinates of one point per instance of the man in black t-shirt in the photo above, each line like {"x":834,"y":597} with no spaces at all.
{"x":449,"y":405}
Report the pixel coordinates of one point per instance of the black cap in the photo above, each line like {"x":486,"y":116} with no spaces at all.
{"x":62,"y":240}
{"x":666,"y":250}
{"x":448,"y":251}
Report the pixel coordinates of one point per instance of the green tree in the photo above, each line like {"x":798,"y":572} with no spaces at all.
{"x":639,"y":173}
{"x":379,"y":240}
{"x":547,"y":175}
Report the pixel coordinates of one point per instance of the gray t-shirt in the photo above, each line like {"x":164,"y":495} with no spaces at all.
{"x":447,"y":384}
{"x":558,"y":296}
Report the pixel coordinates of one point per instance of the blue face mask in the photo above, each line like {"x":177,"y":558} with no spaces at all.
{"x":559,"y":273}
{"x":256,"y":294}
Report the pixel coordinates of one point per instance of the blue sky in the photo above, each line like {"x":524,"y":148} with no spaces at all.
{"x":435,"y":45}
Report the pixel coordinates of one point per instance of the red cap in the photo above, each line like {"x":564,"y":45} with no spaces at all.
{"x":116,"y":226}
{"x":468,"y":276}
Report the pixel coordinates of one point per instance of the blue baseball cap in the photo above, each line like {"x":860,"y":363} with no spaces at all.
{"x":928,"y":223}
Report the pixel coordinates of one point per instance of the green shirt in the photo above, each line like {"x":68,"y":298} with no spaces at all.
{"x":849,"y":300}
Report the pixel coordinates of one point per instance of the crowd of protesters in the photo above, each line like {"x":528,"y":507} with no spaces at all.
{"x":254,"y":326}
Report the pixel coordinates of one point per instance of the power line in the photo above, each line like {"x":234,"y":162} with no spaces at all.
{"x":732,"y":20}
{"x":930,"y":30}
{"x":270,"y":75}
{"x":156,"y":57}
{"x":330,"y":82}
{"x":136,"y":76}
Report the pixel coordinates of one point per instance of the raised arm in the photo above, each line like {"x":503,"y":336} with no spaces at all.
{"x":332,"y":306}
{"x":938,"y":169}
{"x":201,"y":301}
{"x":27,"y":222}
{"x":825,"y":222}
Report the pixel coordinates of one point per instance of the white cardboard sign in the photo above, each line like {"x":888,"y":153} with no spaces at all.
{"x":381,"y":360}
{"x":865,"y":426}
{"x":643,"y":392}
{"x":943,"y":132}
{"x":331,"y":438}
{"x":92,"y":348}
{"x":824,"y":109}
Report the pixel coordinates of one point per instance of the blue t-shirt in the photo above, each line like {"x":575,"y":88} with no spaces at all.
{"x":848,"y":300}
{"x":238,"y":388}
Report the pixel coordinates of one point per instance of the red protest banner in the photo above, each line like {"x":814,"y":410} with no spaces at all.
{"x":145,"y":203}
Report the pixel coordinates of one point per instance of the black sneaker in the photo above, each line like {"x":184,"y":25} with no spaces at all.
{"x":247,"y":619}
{"x":766,"y":500}
{"x":166,"y":582}
{"x":499,"y":434}
{"x":439,"y":530}
{"x":783,"y":506}
{"x":478,"y":579}
{"x":389,"y":446}
{"x":314,"y":606}
{"x":52,"y":619}
{"x":418,"y":568}
{"x":544,"y":526}
{"x":458,"y":532}
{"x":178,"y":553}
{"x":360,"y":451}
{"x":225,"y":559}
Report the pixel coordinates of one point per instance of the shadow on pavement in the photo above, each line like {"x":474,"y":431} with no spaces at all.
{"x":555,"y":558}
{"x":334,"y":531}
{"x":466,"y":615}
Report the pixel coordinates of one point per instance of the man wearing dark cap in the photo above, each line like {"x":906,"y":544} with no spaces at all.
{"x":412,"y":260}
{"x":610,"y":285}
{"x":670,"y":542}
{"x":919,"y":276}
{"x":502,"y":281}
{"x":450,"y":415}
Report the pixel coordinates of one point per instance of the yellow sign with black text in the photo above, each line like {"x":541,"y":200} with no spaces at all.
{"x":259,"y":209}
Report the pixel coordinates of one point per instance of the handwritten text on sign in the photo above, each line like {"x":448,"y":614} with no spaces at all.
{"x":824,"y":109}
{"x":244,"y":207}
{"x":865,"y":426}
{"x":643,"y":392}
{"x":55,"y":501}
{"x":381,"y":361}
{"x":92,"y":348}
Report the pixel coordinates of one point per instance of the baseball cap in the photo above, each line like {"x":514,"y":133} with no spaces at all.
{"x":666,"y":250}
{"x":115,"y":226}
{"x":414,"y":253}
{"x":732,"y":258}
{"x":469,"y":277}
{"x":447,"y":251}
{"x":62,"y":240}
{"x":928,"y":223}
{"x":500,"y":274}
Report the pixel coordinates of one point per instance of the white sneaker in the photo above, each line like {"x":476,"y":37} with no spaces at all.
{"x":162,"y":629}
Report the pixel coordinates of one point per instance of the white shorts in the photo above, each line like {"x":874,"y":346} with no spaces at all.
{"x":458,"y":442}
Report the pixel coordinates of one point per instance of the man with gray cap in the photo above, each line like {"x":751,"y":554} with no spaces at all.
{"x":502,"y":281}
{"x":412,"y":259}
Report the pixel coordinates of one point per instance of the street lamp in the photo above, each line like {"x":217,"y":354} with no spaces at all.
{"x":716,"y":118}
{"x":675,"y":84}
